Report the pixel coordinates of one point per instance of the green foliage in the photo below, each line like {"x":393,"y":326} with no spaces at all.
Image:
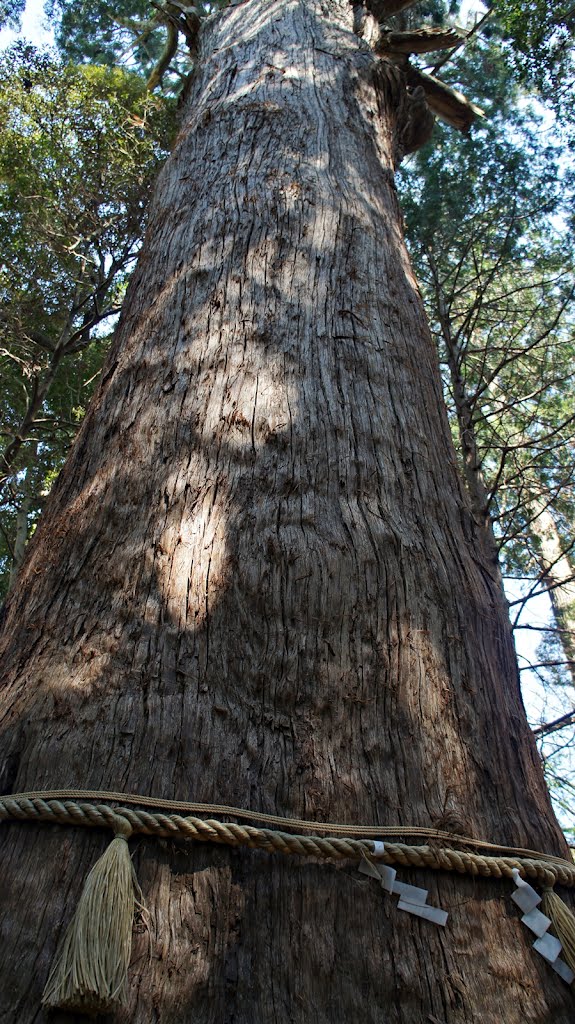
{"x":486,"y":221}
{"x":488,"y":225}
{"x":103,"y":33}
{"x":11,"y":12}
{"x":131,"y":33}
{"x":40,"y":459}
{"x":79,"y":150}
{"x":425,"y":12}
{"x":541,"y":35}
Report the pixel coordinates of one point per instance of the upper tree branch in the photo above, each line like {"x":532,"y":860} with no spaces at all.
{"x":558,"y":723}
{"x":447,"y":103}
{"x":421,"y":40}
{"x":177,"y":18}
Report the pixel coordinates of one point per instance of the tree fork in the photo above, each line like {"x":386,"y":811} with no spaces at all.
{"x":258,"y":581}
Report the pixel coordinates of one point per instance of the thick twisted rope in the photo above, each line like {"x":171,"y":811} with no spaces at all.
{"x":56,"y":807}
{"x":287,"y":824}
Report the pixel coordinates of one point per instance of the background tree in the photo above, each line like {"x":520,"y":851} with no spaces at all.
{"x":542,"y":51}
{"x":154,"y":38}
{"x":487,"y":222}
{"x":79,"y":149}
{"x":11,"y":12}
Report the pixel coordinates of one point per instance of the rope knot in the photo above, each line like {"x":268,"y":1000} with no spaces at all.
{"x":549,"y":879}
{"x":122,"y":827}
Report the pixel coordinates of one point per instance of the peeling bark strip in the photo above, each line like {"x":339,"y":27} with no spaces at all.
{"x":258,"y":581}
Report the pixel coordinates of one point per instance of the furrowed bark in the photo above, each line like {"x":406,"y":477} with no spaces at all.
{"x":258,"y":580}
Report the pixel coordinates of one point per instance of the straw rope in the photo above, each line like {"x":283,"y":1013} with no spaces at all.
{"x":287,"y":824}
{"x":75,"y":807}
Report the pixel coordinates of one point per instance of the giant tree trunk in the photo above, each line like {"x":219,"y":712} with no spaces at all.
{"x":258,"y":581}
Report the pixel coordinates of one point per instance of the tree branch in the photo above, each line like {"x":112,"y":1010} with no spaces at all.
{"x":558,"y":723}
{"x":546,"y":664}
{"x":473,"y":31}
{"x":448,"y":104}
{"x":422,"y":40}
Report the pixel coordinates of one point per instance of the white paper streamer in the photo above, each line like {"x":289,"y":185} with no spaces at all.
{"x":524,"y":896}
{"x":537,"y":922}
{"x":546,"y":945}
{"x":549,"y":947}
{"x":433,"y":914}
{"x":410,"y":893}
{"x":384,"y":874}
{"x":563,"y":970}
{"x":367,"y":868}
{"x":411,"y":898}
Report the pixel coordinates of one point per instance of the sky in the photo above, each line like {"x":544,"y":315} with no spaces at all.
{"x":33,"y":27}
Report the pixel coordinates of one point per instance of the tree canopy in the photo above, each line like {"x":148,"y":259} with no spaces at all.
{"x":541,"y":36}
{"x":487,"y":219}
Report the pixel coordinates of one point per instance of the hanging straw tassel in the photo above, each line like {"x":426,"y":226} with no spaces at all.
{"x":563,"y":921}
{"x":90,"y":971}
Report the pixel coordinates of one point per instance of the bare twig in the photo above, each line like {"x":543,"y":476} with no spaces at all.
{"x":559,"y":723}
